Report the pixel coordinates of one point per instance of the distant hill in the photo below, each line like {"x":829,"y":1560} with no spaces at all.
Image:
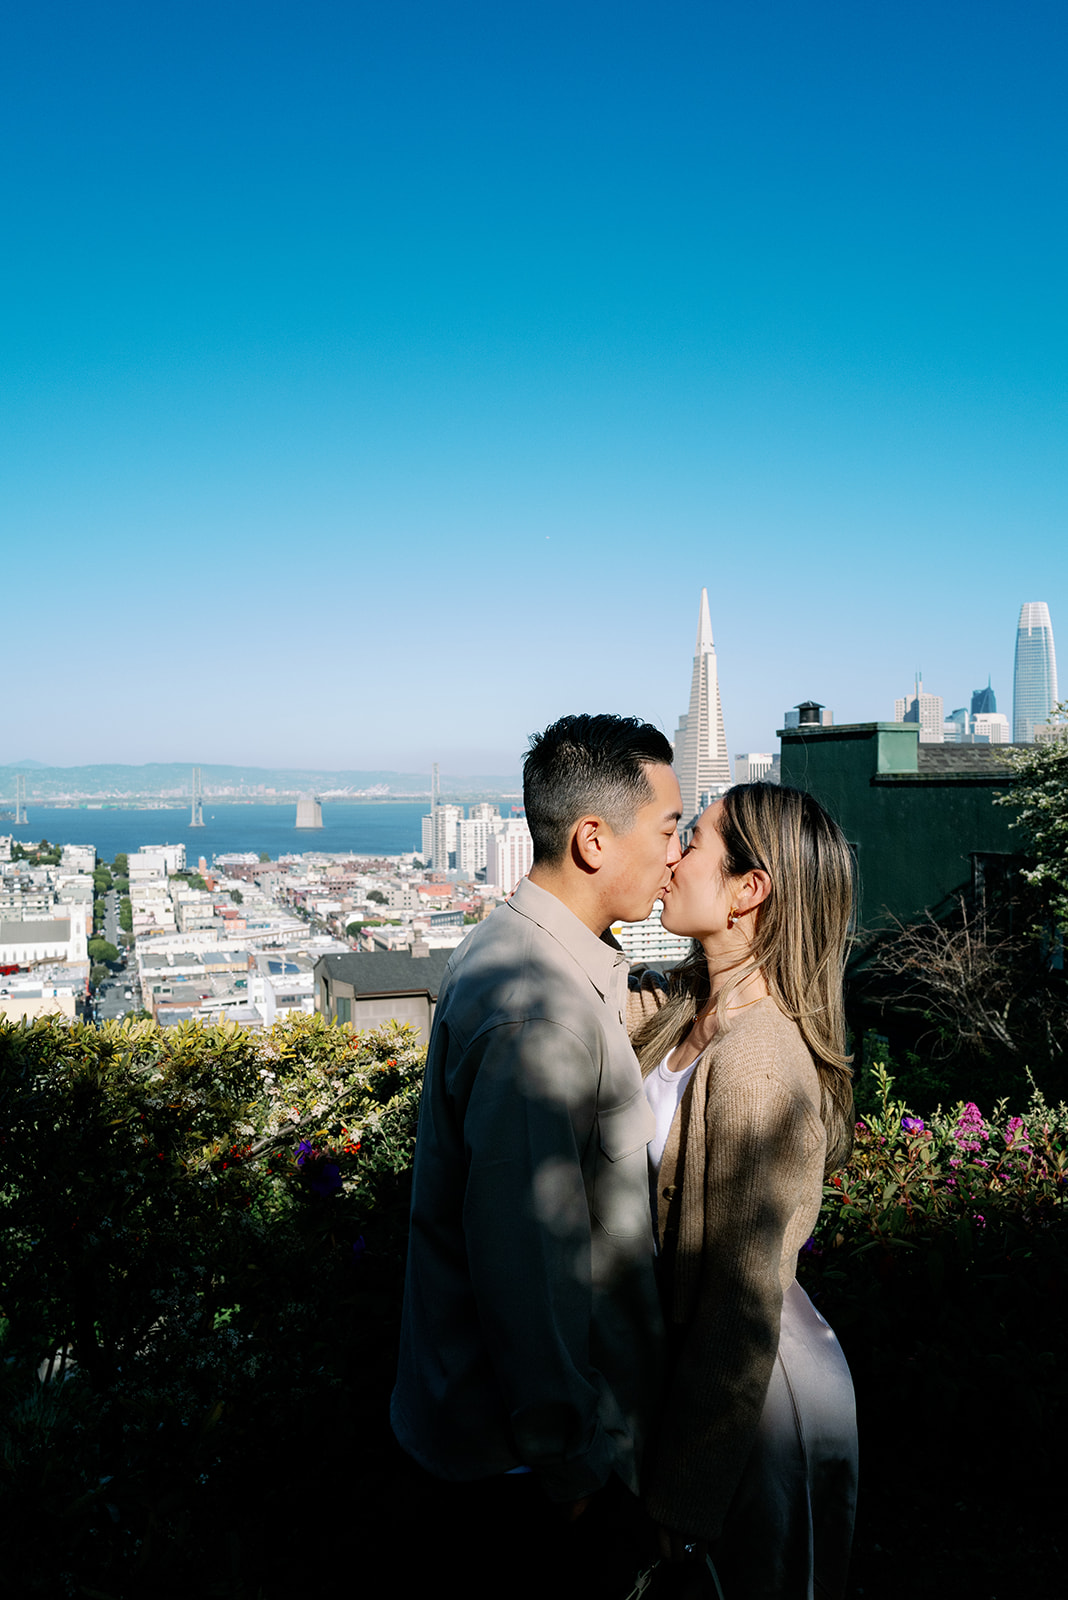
{"x":174,"y":777}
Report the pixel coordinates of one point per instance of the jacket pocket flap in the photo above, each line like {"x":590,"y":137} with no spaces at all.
{"x":625,"y":1128}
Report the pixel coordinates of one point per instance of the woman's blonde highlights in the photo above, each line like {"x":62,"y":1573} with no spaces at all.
{"x":799,"y":941}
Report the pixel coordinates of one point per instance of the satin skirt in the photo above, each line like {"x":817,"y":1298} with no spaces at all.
{"x":788,"y":1532}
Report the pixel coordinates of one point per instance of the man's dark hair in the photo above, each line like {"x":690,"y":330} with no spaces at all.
{"x":583,"y":765}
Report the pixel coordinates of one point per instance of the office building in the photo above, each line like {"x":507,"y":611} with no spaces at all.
{"x":926,"y":709}
{"x":756,"y":767}
{"x":701,"y":760}
{"x":994,"y":725}
{"x":984,"y":701}
{"x":1034,"y":687}
{"x":1055,"y":732}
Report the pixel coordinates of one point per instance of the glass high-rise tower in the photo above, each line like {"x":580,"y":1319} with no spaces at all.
{"x":984,"y":701}
{"x":1034,"y":691}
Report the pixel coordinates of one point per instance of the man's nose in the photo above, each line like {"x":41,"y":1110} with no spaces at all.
{"x":674,"y":855}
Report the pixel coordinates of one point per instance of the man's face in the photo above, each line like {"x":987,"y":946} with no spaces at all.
{"x":643,"y":858}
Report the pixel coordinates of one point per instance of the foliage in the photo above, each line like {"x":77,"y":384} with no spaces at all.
{"x":940,"y":1259}
{"x":102,"y":880}
{"x":121,"y":865}
{"x":265,"y":855}
{"x":237,"y":897}
{"x":202,"y":1241}
{"x":378,"y":898}
{"x":201,"y":1258}
{"x":988,"y":998}
{"x":193,"y":879}
{"x":102,"y":950}
{"x":98,"y":974}
{"x":1040,"y":797}
{"x":38,"y":855}
{"x":126,"y":914}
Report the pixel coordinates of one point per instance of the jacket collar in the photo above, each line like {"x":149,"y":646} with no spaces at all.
{"x":601,"y":959}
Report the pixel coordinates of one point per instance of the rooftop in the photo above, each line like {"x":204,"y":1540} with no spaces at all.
{"x":388,"y":971}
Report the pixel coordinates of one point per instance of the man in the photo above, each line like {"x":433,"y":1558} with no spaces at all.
{"x":530,"y":1341}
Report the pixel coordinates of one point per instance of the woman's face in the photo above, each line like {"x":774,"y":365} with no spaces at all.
{"x":697,"y":899}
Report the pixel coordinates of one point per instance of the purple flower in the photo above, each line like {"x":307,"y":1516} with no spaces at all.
{"x":325,"y":1179}
{"x":304,"y":1149}
{"x":358,"y":1248}
{"x":1017,"y":1136}
{"x":912,"y":1124}
{"x":969,"y":1123}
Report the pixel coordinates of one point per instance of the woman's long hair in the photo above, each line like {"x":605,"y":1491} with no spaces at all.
{"x":799,"y":943}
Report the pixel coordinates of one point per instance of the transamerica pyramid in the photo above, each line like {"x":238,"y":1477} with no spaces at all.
{"x":701,"y":759}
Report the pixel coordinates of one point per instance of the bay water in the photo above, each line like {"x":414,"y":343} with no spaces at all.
{"x":369,"y":829}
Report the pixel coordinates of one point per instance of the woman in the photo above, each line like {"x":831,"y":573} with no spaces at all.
{"x":746,"y":1071}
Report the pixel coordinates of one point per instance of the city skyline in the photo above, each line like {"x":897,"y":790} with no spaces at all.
{"x":704,"y":764}
{"x":380,"y":385}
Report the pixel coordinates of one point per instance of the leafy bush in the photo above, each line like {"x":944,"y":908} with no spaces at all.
{"x":941,"y":1260}
{"x":201,"y":1259}
{"x":202,"y":1244}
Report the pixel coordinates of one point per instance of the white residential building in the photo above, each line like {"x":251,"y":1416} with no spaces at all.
{"x":471,"y":845}
{"x":509,"y":854}
{"x":78,"y":858}
{"x":156,"y":861}
{"x":446,"y":822}
{"x":648,"y":942}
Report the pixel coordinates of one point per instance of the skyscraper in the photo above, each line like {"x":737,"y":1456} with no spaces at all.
{"x":1034,"y":689}
{"x":926,"y":709}
{"x":984,"y":701}
{"x":701,"y":758}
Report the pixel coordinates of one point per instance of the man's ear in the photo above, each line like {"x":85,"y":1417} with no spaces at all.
{"x":588,"y":844}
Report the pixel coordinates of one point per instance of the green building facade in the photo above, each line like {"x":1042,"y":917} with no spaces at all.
{"x":921,"y":817}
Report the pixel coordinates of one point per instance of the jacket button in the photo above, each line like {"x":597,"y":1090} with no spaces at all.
{"x":670,"y":1191}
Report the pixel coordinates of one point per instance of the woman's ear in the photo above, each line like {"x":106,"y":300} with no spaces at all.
{"x":753,"y":890}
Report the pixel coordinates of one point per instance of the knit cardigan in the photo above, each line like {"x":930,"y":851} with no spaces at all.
{"x":738,"y":1193}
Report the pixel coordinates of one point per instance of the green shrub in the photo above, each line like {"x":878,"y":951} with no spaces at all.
{"x":941,"y":1260}
{"x":202,"y":1241}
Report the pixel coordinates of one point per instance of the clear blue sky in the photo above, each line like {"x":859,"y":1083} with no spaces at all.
{"x":381,"y":381}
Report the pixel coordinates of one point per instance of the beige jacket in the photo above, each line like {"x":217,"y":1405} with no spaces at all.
{"x":738,"y":1194}
{"x":531,"y":1332}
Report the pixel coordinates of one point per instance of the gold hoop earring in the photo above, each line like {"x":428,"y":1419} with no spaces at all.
{"x":732,"y":917}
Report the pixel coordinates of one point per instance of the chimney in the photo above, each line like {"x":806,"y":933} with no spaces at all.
{"x":419,"y":948}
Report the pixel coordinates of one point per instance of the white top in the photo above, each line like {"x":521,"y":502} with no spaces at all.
{"x":663,"y":1090}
